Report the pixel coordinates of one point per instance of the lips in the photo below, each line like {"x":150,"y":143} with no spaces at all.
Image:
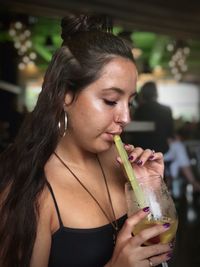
{"x":115,"y":133}
{"x":110,"y":135}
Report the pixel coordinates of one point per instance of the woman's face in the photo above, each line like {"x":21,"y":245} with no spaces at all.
{"x":102,"y":109}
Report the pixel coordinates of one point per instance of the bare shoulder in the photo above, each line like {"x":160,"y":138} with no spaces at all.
{"x":46,"y":207}
{"x":41,"y":250}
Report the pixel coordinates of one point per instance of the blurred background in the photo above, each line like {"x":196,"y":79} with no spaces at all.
{"x":165,"y":36}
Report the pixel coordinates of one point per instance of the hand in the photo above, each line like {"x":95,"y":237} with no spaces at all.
{"x":145,"y":162}
{"x":129,"y":250}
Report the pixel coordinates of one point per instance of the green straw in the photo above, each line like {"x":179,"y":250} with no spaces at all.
{"x":129,"y":171}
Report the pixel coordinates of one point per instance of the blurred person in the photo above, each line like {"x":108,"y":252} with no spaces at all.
{"x":150,"y":110}
{"x":61,"y":187}
{"x":179,"y":165}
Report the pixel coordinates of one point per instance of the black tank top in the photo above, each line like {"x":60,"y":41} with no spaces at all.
{"x":81,"y":247}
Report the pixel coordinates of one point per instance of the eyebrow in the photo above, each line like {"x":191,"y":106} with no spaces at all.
{"x":119,"y":91}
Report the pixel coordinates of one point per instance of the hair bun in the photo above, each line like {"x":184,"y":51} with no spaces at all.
{"x":73,"y":24}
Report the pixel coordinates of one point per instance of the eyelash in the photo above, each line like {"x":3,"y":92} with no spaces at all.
{"x":110,"y":103}
{"x":113,"y":103}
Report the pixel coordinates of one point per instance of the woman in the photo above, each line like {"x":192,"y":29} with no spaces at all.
{"x":62,"y":189}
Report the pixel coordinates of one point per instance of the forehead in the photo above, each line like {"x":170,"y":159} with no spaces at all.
{"x":120,"y":73}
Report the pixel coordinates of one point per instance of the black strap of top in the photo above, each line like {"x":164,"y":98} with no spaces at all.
{"x":55,"y":203}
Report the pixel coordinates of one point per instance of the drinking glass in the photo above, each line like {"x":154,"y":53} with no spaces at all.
{"x":162,"y":209}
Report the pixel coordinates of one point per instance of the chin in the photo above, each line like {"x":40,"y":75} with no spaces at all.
{"x":104,"y":146}
{"x":101,"y":145}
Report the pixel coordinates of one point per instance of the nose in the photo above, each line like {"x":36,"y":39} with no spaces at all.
{"x":123,"y":116}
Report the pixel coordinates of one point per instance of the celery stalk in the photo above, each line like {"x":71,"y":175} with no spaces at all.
{"x":129,"y":171}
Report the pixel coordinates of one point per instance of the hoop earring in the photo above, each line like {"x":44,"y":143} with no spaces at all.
{"x":64,"y":125}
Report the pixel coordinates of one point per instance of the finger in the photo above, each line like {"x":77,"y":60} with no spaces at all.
{"x":156,"y":260}
{"x":150,"y":155}
{"x":127,"y":229}
{"x":149,"y":233}
{"x":157,"y":156}
{"x":129,"y":148}
{"x":145,"y":155}
{"x":153,"y":250}
{"x":135,"y":154}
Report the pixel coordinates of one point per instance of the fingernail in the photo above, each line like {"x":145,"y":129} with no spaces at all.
{"x":139,"y":162}
{"x":169,"y":255}
{"x":166,"y":225}
{"x":146,"y":209}
{"x":130,"y":158}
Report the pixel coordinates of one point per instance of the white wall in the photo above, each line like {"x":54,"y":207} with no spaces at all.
{"x":183,"y":98}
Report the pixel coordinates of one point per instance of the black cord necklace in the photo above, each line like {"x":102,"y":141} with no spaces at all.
{"x":114,"y":222}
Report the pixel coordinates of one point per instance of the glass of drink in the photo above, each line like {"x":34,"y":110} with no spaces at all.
{"x":162,"y":209}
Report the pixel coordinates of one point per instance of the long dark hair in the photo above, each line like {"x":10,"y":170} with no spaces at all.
{"x":87,"y":46}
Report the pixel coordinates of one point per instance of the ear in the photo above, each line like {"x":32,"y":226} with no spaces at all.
{"x":68,"y":99}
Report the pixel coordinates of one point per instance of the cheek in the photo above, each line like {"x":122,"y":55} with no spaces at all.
{"x":90,"y":111}
{"x":95,"y":120}
{"x":92,"y":115}
{"x":92,"y":120}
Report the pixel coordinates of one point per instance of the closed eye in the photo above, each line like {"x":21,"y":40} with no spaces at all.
{"x":110,"y":103}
